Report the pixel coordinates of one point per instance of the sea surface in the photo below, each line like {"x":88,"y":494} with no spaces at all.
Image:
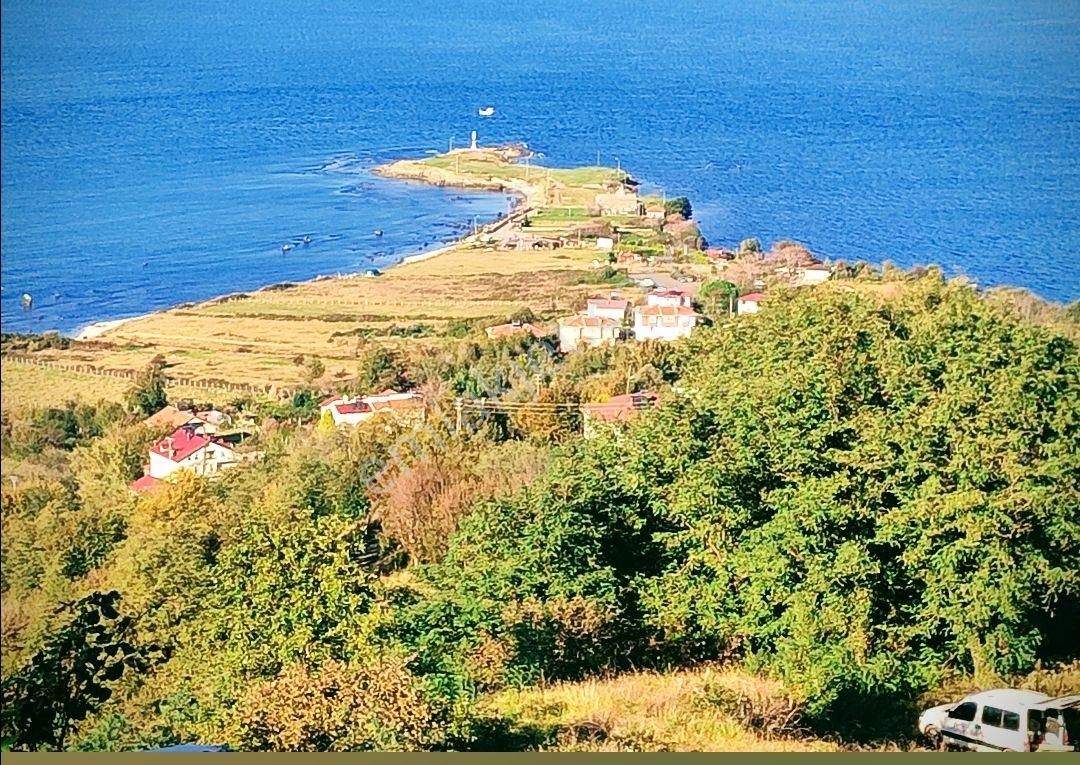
{"x":161,"y":152}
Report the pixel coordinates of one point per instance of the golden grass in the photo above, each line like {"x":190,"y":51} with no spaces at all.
{"x":255,"y":339}
{"x":25,"y":387}
{"x":646,"y":711}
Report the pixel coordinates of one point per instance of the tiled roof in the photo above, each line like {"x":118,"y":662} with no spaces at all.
{"x":582,"y":320}
{"x":183,"y":442}
{"x":665,"y":310}
{"x":619,"y":408}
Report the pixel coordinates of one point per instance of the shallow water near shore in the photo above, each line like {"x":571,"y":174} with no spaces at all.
{"x":161,"y":153}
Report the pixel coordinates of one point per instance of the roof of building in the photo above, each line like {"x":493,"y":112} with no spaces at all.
{"x":665,"y":310}
{"x":183,"y":442}
{"x":670,"y":292}
{"x":144,"y":483}
{"x":352,"y":407}
{"x":583,"y":320}
{"x":753,"y":297}
{"x":327,"y":402}
{"x":605,"y":303}
{"x":170,"y":417}
{"x":618,"y":408}
{"x":514,"y":328}
{"x":413,"y":401}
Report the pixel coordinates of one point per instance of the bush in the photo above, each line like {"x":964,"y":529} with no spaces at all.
{"x":378,"y":705}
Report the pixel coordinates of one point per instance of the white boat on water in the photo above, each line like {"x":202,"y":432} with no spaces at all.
{"x":486,"y":111}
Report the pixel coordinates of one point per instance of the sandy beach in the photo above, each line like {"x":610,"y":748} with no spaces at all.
{"x":98,"y":328}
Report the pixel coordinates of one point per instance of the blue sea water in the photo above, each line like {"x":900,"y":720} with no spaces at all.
{"x":161,"y":152}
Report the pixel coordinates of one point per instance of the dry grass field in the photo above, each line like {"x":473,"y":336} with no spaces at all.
{"x":680,"y":711}
{"x":255,"y":338}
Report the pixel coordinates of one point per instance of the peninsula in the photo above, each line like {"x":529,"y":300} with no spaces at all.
{"x":554,"y":249}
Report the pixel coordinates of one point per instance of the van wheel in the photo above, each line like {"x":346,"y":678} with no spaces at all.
{"x":934,"y":739}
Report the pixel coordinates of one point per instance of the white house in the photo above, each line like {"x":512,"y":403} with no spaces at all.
{"x":664,"y":322}
{"x":811,"y":275}
{"x":605,"y":243}
{"x":591,"y":331}
{"x":189,"y":448}
{"x":607,"y":308}
{"x":346,"y":410}
{"x":673,"y":298}
{"x":622,"y":202}
{"x":750,"y":302}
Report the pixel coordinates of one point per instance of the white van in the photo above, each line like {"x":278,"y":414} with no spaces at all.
{"x":1005,"y":720}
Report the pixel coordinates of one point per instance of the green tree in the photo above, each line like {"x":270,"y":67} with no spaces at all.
{"x":147,"y":394}
{"x":717,"y":298}
{"x":72,"y":674}
{"x":679,"y":206}
{"x":751,"y":246}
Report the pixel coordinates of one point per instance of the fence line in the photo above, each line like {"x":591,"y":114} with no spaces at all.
{"x":129,"y":374}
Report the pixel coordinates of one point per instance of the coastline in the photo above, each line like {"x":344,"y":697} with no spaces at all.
{"x":405,"y":170}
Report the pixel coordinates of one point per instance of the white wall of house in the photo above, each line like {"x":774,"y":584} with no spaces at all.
{"x":663,"y":327}
{"x":618,"y":314}
{"x":748,"y":306}
{"x":206,"y":461}
{"x":572,"y":336}
{"x":674,"y":301}
{"x":350,"y":418}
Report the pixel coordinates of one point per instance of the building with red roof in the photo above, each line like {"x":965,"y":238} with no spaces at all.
{"x":617,"y":409}
{"x":750,"y":302}
{"x":669,"y":297}
{"x":190,"y":448}
{"x":346,"y":410}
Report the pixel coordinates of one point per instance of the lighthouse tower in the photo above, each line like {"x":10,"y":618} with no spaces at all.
{"x":472,"y":145}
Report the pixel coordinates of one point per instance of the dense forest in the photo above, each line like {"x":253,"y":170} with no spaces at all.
{"x":864,"y":491}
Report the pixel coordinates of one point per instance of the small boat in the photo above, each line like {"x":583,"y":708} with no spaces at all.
{"x":487,"y":111}
{"x":27,"y":300}
{"x":307,"y":240}
{"x":378,"y":232}
{"x":286,"y":247}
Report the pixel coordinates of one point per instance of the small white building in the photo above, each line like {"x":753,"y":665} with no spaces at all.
{"x":605,"y":243}
{"x":590,"y":331}
{"x":607,"y":308}
{"x":622,"y":202}
{"x":664,"y":322}
{"x":811,"y":275}
{"x":347,"y":410}
{"x":750,"y":302}
{"x":673,"y":298}
{"x":189,"y":448}
{"x":655,"y":212}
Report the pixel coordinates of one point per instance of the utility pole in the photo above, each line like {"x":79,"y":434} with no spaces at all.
{"x":457,"y":408}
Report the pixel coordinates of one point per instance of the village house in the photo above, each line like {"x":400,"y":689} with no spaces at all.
{"x":621,"y":202}
{"x":514,"y":328}
{"x":805,"y":275}
{"x":617,"y":409}
{"x":590,"y":331}
{"x":607,"y":308}
{"x":347,"y":410}
{"x":664,"y":322}
{"x":669,"y":297}
{"x":190,"y":448}
{"x":171,"y":417}
{"x":750,"y":302}
{"x":655,"y":213}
